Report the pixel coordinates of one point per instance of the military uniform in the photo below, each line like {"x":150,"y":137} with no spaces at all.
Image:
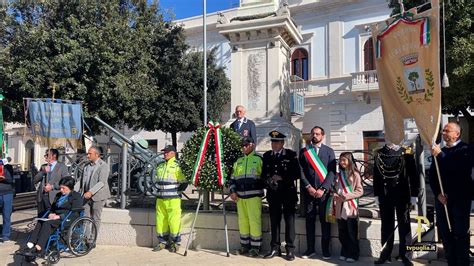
{"x":281,"y":194}
{"x":395,"y":182}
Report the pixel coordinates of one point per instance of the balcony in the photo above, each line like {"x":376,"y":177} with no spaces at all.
{"x":364,"y":81}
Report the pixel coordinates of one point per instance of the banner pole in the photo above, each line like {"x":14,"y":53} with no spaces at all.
{"x":442,"y":192}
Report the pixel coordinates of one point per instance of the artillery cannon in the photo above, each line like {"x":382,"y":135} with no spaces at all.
{"x":142,"y":162}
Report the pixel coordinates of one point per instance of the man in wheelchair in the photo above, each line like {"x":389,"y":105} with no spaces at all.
{"x":65,"y":209}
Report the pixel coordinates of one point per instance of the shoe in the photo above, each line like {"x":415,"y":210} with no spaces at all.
{"x":342,"y":258}
{"x":274,"y":252}
{"x":174,"y":248}
{"x":383,"y":260}
{"x":290,"y":255}
{"x":325,"y":257}
{"x":253,"y":252}
{"x":32,"y":252}
{"x":350,"y":260}
{"x":406,"y":261}
{"x":159,"y":247}
{"x":243,"y":250}
{"x":308,"y":254}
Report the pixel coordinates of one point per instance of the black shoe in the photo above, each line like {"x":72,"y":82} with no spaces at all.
{"x":32,"y":252}
{"x":406,"y":261}
{"x":382,"y":260}
{"x":254,"y":252}
{"x":243,"y":250}
{"x":274,"y":252}
{"x":308,"y":254}
{"x":290,"y":255}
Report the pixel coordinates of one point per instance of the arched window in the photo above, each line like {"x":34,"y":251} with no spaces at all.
{"x":369,"y":58}
{"x":299,"y":64}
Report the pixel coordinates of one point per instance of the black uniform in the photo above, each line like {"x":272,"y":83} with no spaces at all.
{"x":281,"y":195}
{"x":395,"y":182}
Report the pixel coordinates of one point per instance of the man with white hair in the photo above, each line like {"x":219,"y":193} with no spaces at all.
{"x":242,"y":125}
{"x":456,"y":164}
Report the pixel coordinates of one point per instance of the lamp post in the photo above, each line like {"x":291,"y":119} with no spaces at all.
{"x":204,"y":50}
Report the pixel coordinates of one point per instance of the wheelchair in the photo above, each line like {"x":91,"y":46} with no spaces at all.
{"x":77,"y":237}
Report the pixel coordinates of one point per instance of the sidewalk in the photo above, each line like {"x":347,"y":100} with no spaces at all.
{"x":121,"y":255}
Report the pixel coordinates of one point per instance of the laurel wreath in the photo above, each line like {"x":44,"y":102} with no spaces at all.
{"x":403,"y":92}
{"x":208,"y":175}
{"x":429,"y":91}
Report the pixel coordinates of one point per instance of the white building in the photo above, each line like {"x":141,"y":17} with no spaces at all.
{"x":333,"y":61}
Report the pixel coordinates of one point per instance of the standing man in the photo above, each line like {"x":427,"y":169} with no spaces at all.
{"x":6,"y":201}
{"x":455,"y":162}
{"x":242,"y":125}
{"x":171,"y":182}
{"x":49,"y":176}
{"x":318,"y":162}
{"x":280,"y":172}
{"x":396,"y":186}
{"x":246,"y":188}
{"x":94,"y":185}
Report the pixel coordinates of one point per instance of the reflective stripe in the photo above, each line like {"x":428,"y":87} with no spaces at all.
{"x":167,"y":187}
{"x":250,"y":193}
{"x":250,"y":176}
{"x":167,"y":181}
{"x":167,"y":194}
{"x":255,"y":244}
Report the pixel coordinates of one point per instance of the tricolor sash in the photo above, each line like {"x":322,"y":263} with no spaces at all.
{"x":316,"y":163}
{"x":346,"y":187}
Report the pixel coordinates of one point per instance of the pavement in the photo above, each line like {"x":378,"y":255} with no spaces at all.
{"x":122,"y":255}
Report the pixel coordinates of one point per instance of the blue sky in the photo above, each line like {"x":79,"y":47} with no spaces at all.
{"x":191,"y":8}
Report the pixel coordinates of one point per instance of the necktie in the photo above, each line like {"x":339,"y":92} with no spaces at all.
{"x":240,"y":124}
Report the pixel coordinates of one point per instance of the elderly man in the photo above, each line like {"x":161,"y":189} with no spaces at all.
{"x":242,"y":125}
{"x":49,"y":177}
{"x":94,"y":185}
{"x":280,"y":172}
{"x":456,"y":163}
{"x":171,"y":182}
{"x":318,"y":163}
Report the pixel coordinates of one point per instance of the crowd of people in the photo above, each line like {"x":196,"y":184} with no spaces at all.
{"x":331,"y":192}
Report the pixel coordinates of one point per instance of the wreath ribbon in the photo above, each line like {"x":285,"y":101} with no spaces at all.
{"x":214,"y":129}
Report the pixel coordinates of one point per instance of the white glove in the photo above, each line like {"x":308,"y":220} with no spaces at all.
{"x":413,"y":201}
{"x":377,"y":201}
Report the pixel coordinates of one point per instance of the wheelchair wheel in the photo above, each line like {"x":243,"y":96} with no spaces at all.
{"x":82,"y":236}
{"x":52,"y":257}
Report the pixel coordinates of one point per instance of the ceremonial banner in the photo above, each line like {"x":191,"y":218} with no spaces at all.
{"x":407,"y":60}
{"x":55,"y":123}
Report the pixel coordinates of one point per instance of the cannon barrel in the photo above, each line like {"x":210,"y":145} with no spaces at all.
{"x":133,"y":145}
{"x":140,"y":156}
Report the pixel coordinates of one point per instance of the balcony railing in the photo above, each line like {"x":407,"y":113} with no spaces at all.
{"x":365,"y":80}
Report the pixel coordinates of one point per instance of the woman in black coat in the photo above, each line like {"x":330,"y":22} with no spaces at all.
{"x":65,"y":201}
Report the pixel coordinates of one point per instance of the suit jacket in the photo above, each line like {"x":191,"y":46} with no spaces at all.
{"x":247,"y":128}
{"x":310,"y":177}
{"x":73,"y":202}
{"x":59,"y":171}
{"x":456,"y":166}
{"x":98,"y":181}
{"x":286,"y":166}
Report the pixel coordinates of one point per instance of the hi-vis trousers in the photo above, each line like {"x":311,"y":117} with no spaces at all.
{"x":249,"y":212}
{"x":168,"y":220}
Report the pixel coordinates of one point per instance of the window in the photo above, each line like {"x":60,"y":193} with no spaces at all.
{"x":299,"y":63}
{"x":369,"y":58}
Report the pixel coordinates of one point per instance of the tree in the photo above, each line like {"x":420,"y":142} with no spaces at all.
{"x":122,"y":59}
{"x":413,"y":76}
{"x":459,"y":97}
{"x":180,"y":105}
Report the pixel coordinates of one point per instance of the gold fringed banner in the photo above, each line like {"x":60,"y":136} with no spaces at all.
{"x":407,"y":60}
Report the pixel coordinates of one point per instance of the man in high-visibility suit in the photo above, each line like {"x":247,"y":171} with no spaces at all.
{"x":170,"y":182}
{"x":246,"y":187}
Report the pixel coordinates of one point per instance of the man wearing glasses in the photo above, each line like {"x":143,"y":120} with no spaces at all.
{"x":49,"y":177}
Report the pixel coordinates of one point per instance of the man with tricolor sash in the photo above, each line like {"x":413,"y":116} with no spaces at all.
{"x":318,"y":162}
{"x":246,"y":188}
{"x":171,"y":182}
